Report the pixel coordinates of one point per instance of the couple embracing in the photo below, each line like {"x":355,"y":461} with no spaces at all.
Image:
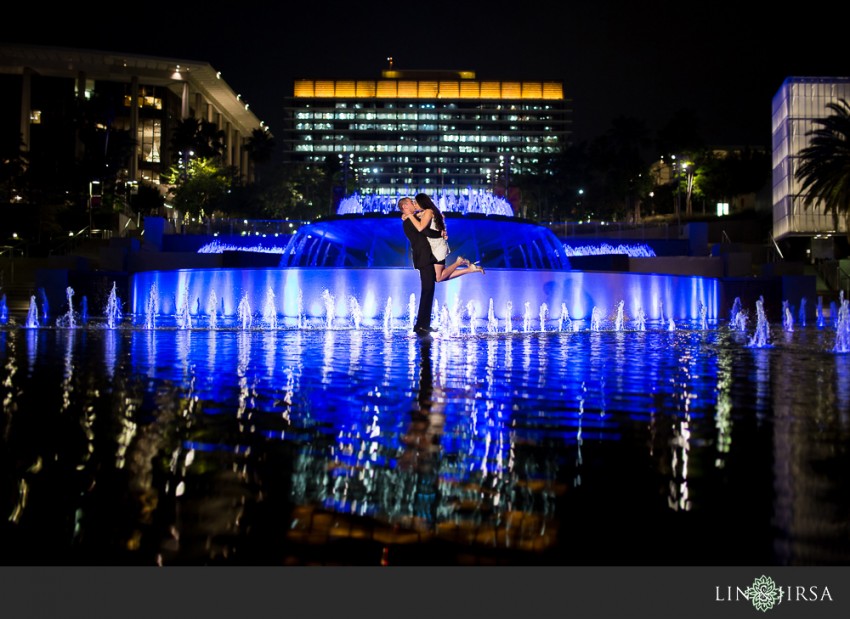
{"x":425,"y":229}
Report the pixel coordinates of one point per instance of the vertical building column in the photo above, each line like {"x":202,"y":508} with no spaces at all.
{"x":133,"y":171}
{"x":228,"y":144}
{"x":184,"y":102}
{"x":247,"y":171}
{"x":26,"y":106}
{"x":200,"y":106}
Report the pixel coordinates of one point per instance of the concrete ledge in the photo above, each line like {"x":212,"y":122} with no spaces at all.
{"x":680,"y":265}
{"x":169,"y":261}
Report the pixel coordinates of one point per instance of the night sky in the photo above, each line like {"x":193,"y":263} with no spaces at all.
{"x":723,"y":60}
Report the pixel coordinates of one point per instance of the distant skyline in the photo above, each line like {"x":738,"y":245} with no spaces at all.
{"x":723,"y":60}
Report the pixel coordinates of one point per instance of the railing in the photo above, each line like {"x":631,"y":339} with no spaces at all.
{"x":623,"y":230}
{"x":242,"y":227}
{"x":833,"y":275}
{"x":772,"y":252}
{"x":70,"y":243}
{"x":9,"y":251}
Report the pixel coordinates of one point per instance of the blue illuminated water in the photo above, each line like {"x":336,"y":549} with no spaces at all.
{"x":343,"y":445}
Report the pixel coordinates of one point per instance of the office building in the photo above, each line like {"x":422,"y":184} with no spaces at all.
{"x":421,"y":130}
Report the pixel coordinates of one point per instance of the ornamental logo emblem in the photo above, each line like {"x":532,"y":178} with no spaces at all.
{"x":764,"y":594}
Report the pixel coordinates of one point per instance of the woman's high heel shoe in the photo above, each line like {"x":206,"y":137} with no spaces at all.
{"x":477,"y":267}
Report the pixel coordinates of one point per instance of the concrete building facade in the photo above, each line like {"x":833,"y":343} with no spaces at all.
{"x":42,"y":83}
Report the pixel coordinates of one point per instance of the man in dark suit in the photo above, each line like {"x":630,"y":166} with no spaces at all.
{"x":423,"y":261}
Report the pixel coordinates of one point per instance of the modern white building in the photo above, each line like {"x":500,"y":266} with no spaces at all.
{"x":797,"y":104}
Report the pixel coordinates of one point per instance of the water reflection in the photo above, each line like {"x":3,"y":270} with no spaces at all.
{"x":363,"y":446}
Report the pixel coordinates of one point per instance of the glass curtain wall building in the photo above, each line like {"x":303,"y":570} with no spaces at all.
{"x":145,"y":96}
{"x":421,"y":130}
{"x":797,"y":104}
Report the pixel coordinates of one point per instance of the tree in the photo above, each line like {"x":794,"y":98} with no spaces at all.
{"x":147,"y":199}
{"x":200,"y":187}
{"x":197,"y":138}
{"x":260,"y":147}
{"x":297,"y":191}
{"x":824,"y":165}
{"x":617,"y":159}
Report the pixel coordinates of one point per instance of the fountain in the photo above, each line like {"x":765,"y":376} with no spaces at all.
{"x":788,"y":317}
{"x":68,"y":320}
{"x":151,"y":306}
{"x":330,"y":309}
{"x":45,"y":307}
{"x":544,"y":315}
{"x":842,"y":330}
{"x":618,"y":320}
{"x":113,"y":309}
{"x":362,"y":253}
{"x":564,"y":322}
{"x":314,"y":416}
{"x":184,"y":315}
{"x":470,"y":310}
{"x":530,"y":273}
{"x":388,"y":315}
{"x":269,"y":310}
{"x":356,"y":312}
{"x":32,"y":315}
{"x":492,"y":322}
{"x":595,"y":319}
{"x":761,"y":337}
{"x":212,"y":310}
{"x":640,"y":320}
{"x":736,"y":309}
{"x":243,"y":311}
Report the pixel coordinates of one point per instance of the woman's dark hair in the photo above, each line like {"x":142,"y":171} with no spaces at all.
{"x":425,"y":201}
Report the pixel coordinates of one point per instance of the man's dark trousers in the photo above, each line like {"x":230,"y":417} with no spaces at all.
{"x":428,"y":280}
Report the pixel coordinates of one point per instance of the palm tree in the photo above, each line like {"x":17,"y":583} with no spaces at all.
{"x":201,"y":138}
{"x":260,"y":147}
{"x":824,"y":165}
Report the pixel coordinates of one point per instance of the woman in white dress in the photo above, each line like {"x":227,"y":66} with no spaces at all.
{"x":431,"y":216}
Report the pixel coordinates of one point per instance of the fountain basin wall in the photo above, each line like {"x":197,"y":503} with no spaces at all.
{"x":379,"y":241}
{"x":376,"y":289}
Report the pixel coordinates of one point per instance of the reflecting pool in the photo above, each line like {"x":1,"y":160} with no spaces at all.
{"x":353,"y":446}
